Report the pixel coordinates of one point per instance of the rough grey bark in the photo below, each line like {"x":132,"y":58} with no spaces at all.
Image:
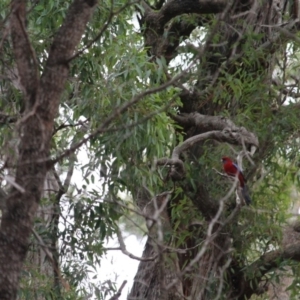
{"x":163,"y":269}
{"x":41,"y":98}
{"x":290,"y":236}
{"x":37,"y":255}
{"x":223,"y":50}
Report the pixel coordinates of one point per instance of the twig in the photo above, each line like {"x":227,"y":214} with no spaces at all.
{"x":210,"y":236}
{"x":126,"y":252}
{"x":110,"y":17}
{"x":119,"y":292}
{"x":63,"y":126}
{"x":49,"y":255}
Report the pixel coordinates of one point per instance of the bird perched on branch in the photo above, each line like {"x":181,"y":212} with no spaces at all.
{"x":233,"y":170}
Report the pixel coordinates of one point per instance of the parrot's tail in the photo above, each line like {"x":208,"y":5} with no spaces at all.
{"x":245,"y":193}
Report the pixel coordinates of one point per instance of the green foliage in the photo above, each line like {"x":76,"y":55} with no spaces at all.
{"x":112,"y":69}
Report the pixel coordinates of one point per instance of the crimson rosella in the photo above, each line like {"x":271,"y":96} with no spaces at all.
{"x":233,"y":170}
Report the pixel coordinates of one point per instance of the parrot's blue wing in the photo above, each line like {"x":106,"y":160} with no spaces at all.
{"x":238,"y":168}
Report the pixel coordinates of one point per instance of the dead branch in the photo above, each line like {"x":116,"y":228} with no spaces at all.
{"x":126,"y":252}
{"x":118,"y":294}
{"x":24,"y":54}
{"x":232,"y":134}
{"x":210,"y":235}
{"x":265,"y":264}
{"x":175,"y":8}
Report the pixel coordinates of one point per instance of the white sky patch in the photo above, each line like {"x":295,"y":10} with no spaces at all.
{"x":115,"y":266}
{"x":118,"y":267}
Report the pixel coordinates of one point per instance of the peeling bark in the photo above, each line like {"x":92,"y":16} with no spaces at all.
{"x":153,"y":277}
{"x":201,"y":119}
{"x":41,"y":99}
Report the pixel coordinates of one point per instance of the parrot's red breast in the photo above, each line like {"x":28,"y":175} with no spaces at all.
{"x":233,"y":170}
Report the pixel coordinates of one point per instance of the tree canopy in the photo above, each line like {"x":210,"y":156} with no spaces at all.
{"x":119,"y":112}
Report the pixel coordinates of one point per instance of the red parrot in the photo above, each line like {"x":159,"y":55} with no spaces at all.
{"x":233,"y":170}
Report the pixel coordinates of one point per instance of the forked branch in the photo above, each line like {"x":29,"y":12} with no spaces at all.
{"x":216,"y":128}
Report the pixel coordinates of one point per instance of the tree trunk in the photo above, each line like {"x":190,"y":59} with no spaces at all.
{"x":240,"y":29}
{"x":41,"y":98}
{"x":43,"y":258}
{"x":161,"y":269}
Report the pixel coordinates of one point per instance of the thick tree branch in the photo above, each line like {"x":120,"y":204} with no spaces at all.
{"x":163,"y":40}
{"x":221,"y":129}
{"x":175,"y":34}
{"x":24,"y":54}
{"x":65,"y":41}
{"x":175,"y":8}
{"x":266,"y":263}
{"x":158,"y":4}
{"x":203,"y":123}
{"x":36,"y":129}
